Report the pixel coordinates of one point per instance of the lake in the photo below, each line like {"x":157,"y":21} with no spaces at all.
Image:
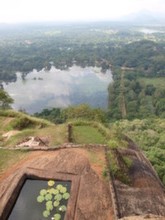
{"x":59,"y":88}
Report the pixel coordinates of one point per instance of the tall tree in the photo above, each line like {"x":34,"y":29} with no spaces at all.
{"x":5,"y":100}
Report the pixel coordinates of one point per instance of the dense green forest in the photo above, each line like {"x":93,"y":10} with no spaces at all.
{"x":131,"y":97}
{"x":24,"y":48}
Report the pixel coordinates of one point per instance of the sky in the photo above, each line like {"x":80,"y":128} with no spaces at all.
{"x":16,"y":11}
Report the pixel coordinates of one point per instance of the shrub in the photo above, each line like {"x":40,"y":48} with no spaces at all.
{"x":23,"y":122}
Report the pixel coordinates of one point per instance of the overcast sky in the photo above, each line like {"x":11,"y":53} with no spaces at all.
{"x":13,"y":11}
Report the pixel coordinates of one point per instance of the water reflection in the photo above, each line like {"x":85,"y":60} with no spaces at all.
{"x":59,"y":88}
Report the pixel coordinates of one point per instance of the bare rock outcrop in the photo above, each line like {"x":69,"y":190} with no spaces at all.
{"x":90,"y":196}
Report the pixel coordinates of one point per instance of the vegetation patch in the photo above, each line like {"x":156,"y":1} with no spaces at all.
{"x":119,"y":166}
{"x":24,"y":122}
{"x":97,"y":125}
{"x":149,"y":135}
{"x":29,"y":126}
{"x":55,"y":198}
{"x":87,"y":135}
{"x":131,"y":97}
{"x":21,"y":121}
{"x":78,"y":112}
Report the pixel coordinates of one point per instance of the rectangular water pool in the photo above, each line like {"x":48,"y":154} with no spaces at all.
{"x":41,"y":200}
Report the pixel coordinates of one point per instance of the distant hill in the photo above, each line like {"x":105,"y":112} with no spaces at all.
{"x":144,"y":17}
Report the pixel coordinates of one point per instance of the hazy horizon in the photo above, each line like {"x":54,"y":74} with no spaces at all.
{"x":21,"y":11}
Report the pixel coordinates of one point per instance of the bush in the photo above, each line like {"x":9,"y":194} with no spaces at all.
{"x":120,"y":173}
{"x":24,"y":122}
{"x":113,"y":144}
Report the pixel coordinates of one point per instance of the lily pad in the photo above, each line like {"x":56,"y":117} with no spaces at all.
{"x":49,"y":203}
{"x":51,"y":183}
{"x":48,"y":197}
{"x":63,"y":190}
{"x":58,"y":197}
{"x":62,"y":208}
{"x":46,"y":213}
{"x":59,"y":186}
{"x":56,"y":203}
{"x":40,"y":199}
{"x":49,"y":208}
{"x":66,"y":196}
{"x":43,"y":192}
{"x":51,"y":191}
{"x":56,"y":191}
{"x":57,"y":216}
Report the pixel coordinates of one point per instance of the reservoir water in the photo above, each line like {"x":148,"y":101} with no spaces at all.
{"x":60,"y":88}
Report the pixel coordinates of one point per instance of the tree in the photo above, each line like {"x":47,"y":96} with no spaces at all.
{"x":149,"y":90}
{"x":5,"y":100}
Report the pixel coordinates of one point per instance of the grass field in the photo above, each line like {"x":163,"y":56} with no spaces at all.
{"x":87,"y":135}
{"x":22,"y":126}
{"x":158,"y":82}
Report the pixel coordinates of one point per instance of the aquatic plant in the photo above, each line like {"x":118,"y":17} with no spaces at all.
{"x":57,"y":216}
{"x":66,"y":196}
{"x":46,"y":213}
{"x":40,"y":198}
{"x":43,"y":192}
{"x":54,"y":198}
{"x":51,"y":183}
{"x":62,"y":208}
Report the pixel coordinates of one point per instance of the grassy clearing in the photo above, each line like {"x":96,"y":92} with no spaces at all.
{"x":158,"y":82}
{"x":57,"y":134}
{"x":97,"y":125}
{"x":18,"y":120}
{"x":87,"y":135}
{"x":29,"y":126}
{"x":8,"y":158}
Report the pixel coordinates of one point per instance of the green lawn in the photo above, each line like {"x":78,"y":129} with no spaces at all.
{"x":87,"y":135}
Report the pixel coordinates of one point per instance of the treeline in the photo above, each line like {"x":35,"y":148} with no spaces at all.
{"x":145,"y":56}
{"x":98,"y":45}
{"x":130,"y":98}
{"x":26,"y":56}
{"x":80,"y":112}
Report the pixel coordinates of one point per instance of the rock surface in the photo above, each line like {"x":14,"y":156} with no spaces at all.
{"x":90,"y":196}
